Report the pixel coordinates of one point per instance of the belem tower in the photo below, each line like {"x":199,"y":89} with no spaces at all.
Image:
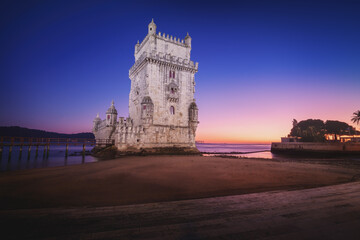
{"x":162,"y":108}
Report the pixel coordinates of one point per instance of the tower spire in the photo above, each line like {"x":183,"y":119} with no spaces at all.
{"x":152,"y":27}
{"x":188,"y":40}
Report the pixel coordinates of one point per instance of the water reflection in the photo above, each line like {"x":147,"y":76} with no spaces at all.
{"x":16,"y":159}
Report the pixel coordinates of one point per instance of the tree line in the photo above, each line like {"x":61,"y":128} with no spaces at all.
{"x":314,"y":130}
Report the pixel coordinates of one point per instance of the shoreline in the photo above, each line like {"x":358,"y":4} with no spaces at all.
{"x":147,"y":179}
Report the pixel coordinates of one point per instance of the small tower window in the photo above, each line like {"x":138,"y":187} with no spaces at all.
{"x":172,"y":110}
{"x":174,"y":74}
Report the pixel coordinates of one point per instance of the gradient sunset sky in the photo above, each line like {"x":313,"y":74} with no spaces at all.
{"x":261,"y":63}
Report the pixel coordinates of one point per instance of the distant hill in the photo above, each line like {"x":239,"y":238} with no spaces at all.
{"x":26,"y":132}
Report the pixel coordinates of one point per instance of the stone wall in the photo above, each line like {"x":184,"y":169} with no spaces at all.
{"x":315,"y":147}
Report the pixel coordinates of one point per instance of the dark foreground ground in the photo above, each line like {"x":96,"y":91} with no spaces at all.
{"x":182,"y":197}
{"x":331,"y":212}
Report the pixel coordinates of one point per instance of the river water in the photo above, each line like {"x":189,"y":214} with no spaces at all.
{"x":57,"y":157}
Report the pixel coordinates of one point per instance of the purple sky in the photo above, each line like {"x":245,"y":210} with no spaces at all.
{"x":261,"y":63}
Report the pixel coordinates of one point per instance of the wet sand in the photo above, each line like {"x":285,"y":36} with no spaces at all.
{"x":134,"y":180}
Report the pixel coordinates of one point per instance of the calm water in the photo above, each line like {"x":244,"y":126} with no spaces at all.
{"x":247,"y":150}
{"x":263,"y":151}
{"x":57,"y":155}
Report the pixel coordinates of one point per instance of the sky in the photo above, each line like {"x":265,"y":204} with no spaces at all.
{"x":261,"y":63}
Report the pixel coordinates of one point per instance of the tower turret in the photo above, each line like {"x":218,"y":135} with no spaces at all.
{"x":111,"y":114}
{"x":96,"y":122}
{"x":137,"y":45}
{"x":152,"y":28}
{"x":188,"y":40}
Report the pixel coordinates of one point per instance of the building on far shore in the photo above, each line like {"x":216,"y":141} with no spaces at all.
{"x":350,"y":138}
{"x":328,"y":138}
{"x":345,"y":144}
{"x":162,"y":109}
{"x":290,"y":139}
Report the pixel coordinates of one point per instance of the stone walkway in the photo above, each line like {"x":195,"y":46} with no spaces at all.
{"x":331,"y":212}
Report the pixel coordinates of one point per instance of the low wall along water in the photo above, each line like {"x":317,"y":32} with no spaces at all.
{"x":278,"y":147}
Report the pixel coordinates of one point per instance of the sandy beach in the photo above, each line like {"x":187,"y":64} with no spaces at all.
{"x":132,"y":180}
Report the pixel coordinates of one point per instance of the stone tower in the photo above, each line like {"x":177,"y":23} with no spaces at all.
{"x":162,"y":108}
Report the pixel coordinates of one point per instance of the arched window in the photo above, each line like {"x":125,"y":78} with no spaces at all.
{"x":171,"y":74}
{"x":172,"y":110}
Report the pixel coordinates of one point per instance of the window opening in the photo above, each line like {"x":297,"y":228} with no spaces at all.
{"x":172,"y":110}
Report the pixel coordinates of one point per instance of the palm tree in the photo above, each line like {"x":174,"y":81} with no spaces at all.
{"x":356,"y":117}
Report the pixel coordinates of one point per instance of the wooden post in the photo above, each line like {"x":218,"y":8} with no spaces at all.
{"x":29,"y":151}
{"x":37,"y":150}
{"x":10,"y":149}
{"x":20,"y":153}
{"x":48,"y":148}
{"x":1,"y":150}
{"x":67,"y":150}
{"x":83,"y":150}
{"x":44,"y":151}
{"x":8,"y":166}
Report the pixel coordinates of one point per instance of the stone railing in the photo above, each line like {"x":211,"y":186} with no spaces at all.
{"x":167,"y":58}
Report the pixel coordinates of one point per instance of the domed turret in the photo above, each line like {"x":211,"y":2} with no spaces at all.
{"x":96,"y":122}
{"x":112,"y":109}
{"x":111,"y":114}
{"x":188,"y":40}
{"x":97,"y":119}
{"x":152,"y":27}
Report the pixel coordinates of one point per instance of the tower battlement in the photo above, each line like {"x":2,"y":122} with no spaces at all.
{"x":161,"y":42}
{"x":165,"y":37}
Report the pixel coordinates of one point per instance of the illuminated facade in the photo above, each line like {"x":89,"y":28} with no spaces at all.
{"x":162,"y":108}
